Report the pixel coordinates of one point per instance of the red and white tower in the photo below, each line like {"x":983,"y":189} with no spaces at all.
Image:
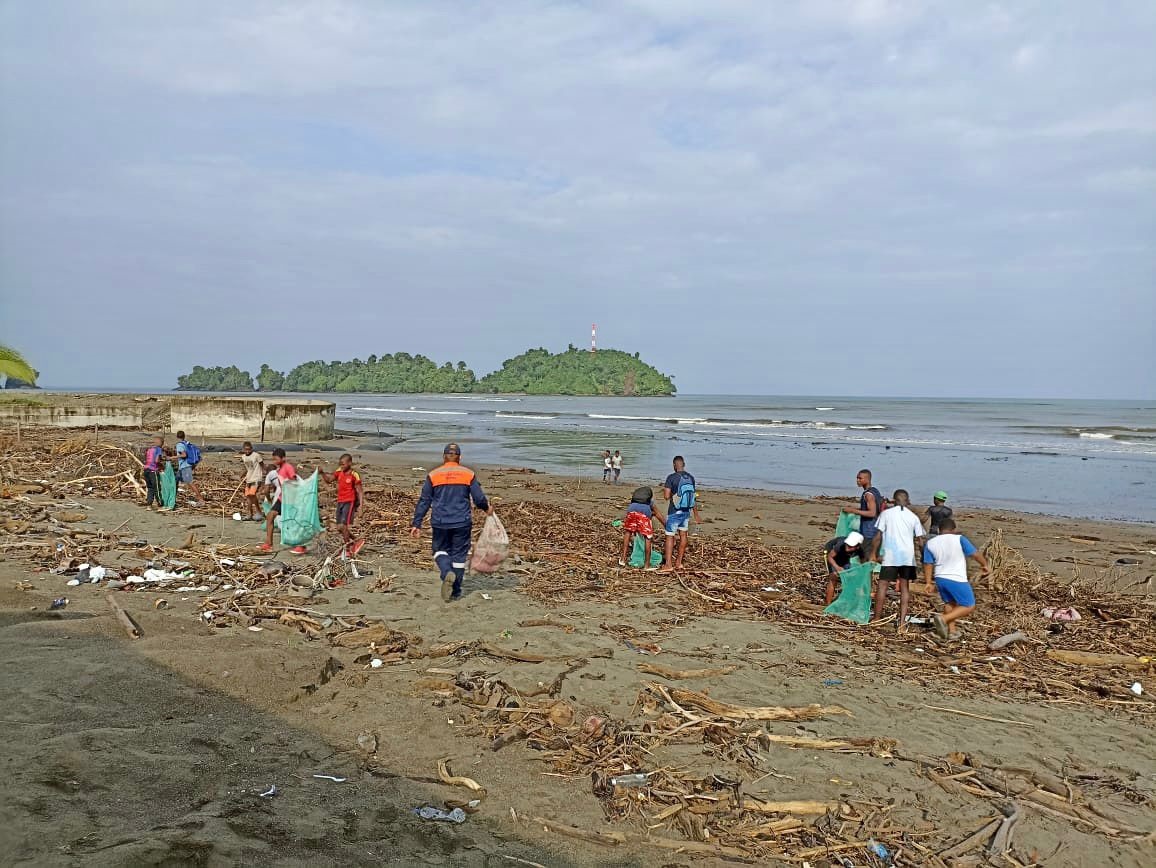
{"x":594,"y":338}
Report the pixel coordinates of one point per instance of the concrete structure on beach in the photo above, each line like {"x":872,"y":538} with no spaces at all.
{"x":251,"y":418}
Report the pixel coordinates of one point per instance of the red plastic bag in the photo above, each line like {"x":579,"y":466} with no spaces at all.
{"x":491,"y":548}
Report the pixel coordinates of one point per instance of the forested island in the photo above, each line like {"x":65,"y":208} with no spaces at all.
{"x":534,"y":372}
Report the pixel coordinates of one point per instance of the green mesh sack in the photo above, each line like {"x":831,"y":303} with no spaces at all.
{"x":854,"y":601}
{"x":300,"y":516}
{"x":168,"y":486}
{"x":847,"y":522}
{"x":638,"y":553}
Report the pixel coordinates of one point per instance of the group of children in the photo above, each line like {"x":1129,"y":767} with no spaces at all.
{"x":893,"y":536}
{"x":611,"y":466}
{"x":261,"y":482}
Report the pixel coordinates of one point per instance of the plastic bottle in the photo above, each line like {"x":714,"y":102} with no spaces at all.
{"x":636,"y":780}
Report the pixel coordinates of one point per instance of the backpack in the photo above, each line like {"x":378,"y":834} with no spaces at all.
{"x":192,"y":454}
{"x":684,"y":497}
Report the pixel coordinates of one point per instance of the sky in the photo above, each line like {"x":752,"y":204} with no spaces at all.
{"x":863,"y":197}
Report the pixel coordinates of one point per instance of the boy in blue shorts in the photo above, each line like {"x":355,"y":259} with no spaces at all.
{"x":679,"y":490}
{"x":945,"y":559}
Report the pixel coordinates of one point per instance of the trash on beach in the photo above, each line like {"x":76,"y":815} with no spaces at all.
{"x":486,"y":597}
{"x":1137,"y":688}
{"x":160,"y":603}
{"x":1004,"y":641}
{"x":59,"y":603}
{"x":155,"y":575}
{"x":367,"y":741}
{"x":376,"y":663}
{"x":72,"y":583}
{"x":236,"y":516}
{"x":427,"y":812}
{"x":832,"y":682}
{"x":269,"y":793}
{"x":96,"y":574}
{"x":333,"y":778}
{"x":1067,"y":613}
{"x":253,"y":628}
{"x":190,"y":589}
{"x":638,"y":779}
{"x":917,"y":621}
{"x":492,"y":547}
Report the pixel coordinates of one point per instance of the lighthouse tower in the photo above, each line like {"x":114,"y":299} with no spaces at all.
{"x":594,"y":338}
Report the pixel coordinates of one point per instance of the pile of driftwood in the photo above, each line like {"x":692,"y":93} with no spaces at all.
{"x":713,"y":808}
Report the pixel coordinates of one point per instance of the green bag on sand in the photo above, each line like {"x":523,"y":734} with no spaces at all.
{"x":854,"y":601}
{"x":638,"y":554}
{"x":847,"y":522}
{"x":300,"y":515}
{"x":168,"y":486}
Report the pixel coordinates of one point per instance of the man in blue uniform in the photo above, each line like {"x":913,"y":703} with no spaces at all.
{"x":451,"y":490}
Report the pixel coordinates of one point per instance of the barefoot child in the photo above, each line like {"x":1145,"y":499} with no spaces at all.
{"x":254,"y":475}
{"x":945,"y":558}
{"x":640,"y":516}
{"x":350,"y":496}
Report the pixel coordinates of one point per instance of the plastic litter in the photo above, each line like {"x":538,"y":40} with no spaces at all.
{"x":376,"y":663}
{"x":1137,"y":689}
{"x":269,"y":793}
{"x":1056,"y":614}
{"x":155,"y":575}
{"x":72,"y":583}
{"x":300,"y":518}
{"x":333,"y":778}
{"x":638,"y":779}
{"x":59,"y":603}
{"x":492,"y":547}
{"x":879,"y":850}
{"x":832,"y":682}
{"x":486,"y":597}
{"x":97,"y":574}
{"x":236,"y":516}
{"x":457,"y":815}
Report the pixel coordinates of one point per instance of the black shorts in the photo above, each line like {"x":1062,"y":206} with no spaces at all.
{"x":275,"y":509}
{"x":346,"y":512}
{"x":903,"y":574}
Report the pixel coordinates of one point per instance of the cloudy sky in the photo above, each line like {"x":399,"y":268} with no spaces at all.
{"x":860,"y":197}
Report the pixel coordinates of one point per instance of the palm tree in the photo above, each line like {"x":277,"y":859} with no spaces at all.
{"x":14,"y":366}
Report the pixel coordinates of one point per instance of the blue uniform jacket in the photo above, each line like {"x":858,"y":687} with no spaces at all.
{"x":449,"y":490}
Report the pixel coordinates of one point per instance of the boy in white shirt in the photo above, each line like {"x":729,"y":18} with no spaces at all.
{"x":899,"y":530}
{"x":945,"y":558}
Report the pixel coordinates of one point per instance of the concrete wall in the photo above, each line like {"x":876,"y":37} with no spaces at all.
{"x":257,"y":419}
{"x":279,"y":419}
{"x":75,"y":417}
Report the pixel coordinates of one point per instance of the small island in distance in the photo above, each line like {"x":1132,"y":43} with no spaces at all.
{"x":534,"y":372}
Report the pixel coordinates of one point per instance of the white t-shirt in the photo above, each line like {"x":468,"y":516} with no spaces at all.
{"x":617,"y":462}
{"x":899,"y":527}
{"x":949,"y":552}
{"x":607,"y":464}
{"x":274,"y":479}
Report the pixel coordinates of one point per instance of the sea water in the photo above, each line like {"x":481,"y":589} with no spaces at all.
{"x":1094,"y":459}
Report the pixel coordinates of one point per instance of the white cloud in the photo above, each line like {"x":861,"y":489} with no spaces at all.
{"x":772,"y":158}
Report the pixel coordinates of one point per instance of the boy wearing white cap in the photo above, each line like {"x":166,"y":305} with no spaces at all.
{"x":840,"y":550}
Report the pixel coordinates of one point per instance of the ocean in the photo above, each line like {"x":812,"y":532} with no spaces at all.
{"x":1090,"y":459}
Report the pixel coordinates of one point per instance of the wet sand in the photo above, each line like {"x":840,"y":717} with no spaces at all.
{"x":153,"y":751}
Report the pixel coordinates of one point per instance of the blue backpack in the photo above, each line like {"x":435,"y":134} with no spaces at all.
{"x":684,"y":497}
{"x":192,"y":454}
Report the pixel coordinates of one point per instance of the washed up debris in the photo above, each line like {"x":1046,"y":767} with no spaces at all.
{"x":367,"y":741}
{"x":59,"y":603}
{"x":333,"y":778}
{"x":125,"y":619}
{"x":269,"y":793}
{"x":428,"y":812}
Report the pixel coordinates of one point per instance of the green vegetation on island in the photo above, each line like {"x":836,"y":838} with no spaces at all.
{"x":534,"y":372}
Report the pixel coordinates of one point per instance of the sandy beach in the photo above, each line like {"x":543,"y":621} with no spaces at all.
{"x":158,"y":750}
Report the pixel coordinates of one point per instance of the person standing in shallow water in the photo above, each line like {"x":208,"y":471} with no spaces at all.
{"x":450,"y":491}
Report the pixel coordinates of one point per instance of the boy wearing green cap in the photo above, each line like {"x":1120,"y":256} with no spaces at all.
{"x":936,"y":514}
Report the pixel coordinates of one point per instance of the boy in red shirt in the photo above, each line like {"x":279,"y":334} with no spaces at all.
{"x":285,"y":472}
{"x":350,"y":496}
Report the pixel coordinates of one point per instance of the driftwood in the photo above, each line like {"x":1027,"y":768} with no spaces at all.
{"x":677,"y":674}
{"x":975,"y":839}
{"x":1089,"y":658}
{"x":703,"y":702}
{"x":456,"y":781}
{"x":760,"y":806}
{"x":849,"y":745}
{"x":125,"y":619}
